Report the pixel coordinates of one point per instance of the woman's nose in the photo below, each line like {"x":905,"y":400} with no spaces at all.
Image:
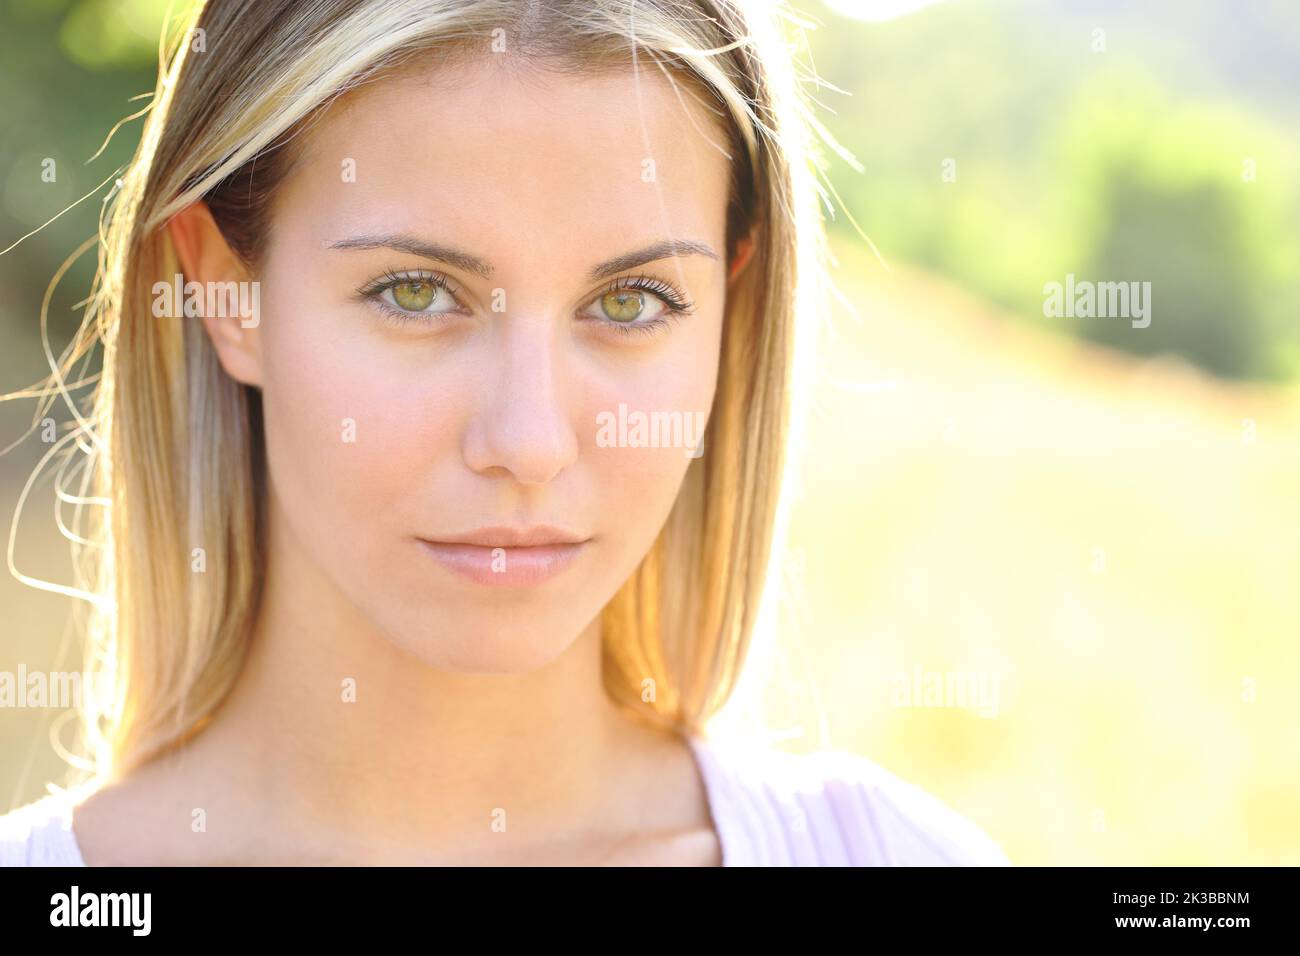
{"x":524,"y":425}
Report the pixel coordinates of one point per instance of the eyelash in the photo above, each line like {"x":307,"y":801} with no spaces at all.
{"x":668,"y":293}
{"x":372,"y":291}
{"x":677,"y":305}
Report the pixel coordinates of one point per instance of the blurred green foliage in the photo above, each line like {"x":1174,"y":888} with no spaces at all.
{"x":1003,"y":150}
{"x":1188,"y":198}
{"x":68,"y":72}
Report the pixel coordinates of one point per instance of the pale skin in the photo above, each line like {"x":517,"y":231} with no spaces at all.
{"x":474,"y":706}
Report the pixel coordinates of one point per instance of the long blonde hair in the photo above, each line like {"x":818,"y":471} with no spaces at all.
{"x":174,"y":445}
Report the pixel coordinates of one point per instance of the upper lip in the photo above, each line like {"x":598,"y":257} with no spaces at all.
{"x":512,"y":537}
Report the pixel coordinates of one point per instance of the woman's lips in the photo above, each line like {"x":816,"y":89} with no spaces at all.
{"x":501,"y":565}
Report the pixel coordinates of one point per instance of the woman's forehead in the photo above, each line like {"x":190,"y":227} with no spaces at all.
{"x":595,"y":157}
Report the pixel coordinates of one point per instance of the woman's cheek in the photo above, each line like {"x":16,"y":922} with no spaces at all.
{"x":646,"y":430}
{"x":339,"y":439}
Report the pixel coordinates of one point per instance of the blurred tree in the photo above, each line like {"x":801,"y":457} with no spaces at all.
{"x":1197,"y":200}
{"x":1002,"y":152}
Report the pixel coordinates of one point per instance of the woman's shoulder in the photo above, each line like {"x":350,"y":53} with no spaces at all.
{"x":831,"y":808}
{"x":39,"y":834}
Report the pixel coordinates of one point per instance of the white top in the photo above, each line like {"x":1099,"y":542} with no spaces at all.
{"x":769,"y":807}
{"x":831,"y":808}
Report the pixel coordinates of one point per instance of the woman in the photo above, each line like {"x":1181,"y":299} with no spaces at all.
{"x":448,"y":348}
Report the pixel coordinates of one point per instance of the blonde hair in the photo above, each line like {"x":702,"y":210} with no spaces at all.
{"x":169,"y":434}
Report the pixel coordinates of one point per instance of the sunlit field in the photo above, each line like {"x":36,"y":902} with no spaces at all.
{"x":1086,"y":563}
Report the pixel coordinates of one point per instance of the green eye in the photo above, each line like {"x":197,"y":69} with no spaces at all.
{"x":622,"y":305}
{"x":413,"y":296}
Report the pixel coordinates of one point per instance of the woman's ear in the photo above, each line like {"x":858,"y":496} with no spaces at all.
{"x":744,"y":252}
{"x":224,"y":281}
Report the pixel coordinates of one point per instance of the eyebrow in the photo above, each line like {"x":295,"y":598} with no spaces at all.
{"x":663,"y":249}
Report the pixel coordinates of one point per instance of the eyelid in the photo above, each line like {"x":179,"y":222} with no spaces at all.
{"x":389,"y":278}
{"x":676,"y":300}
{"x":372,"y":294}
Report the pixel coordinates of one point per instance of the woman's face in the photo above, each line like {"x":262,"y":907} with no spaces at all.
{"x":443,"y":371}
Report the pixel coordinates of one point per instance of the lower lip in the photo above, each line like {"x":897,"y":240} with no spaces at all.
{"x":504,"y":567}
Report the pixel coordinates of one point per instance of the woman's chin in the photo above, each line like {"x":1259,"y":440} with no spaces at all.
{"x":488,"y":643}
